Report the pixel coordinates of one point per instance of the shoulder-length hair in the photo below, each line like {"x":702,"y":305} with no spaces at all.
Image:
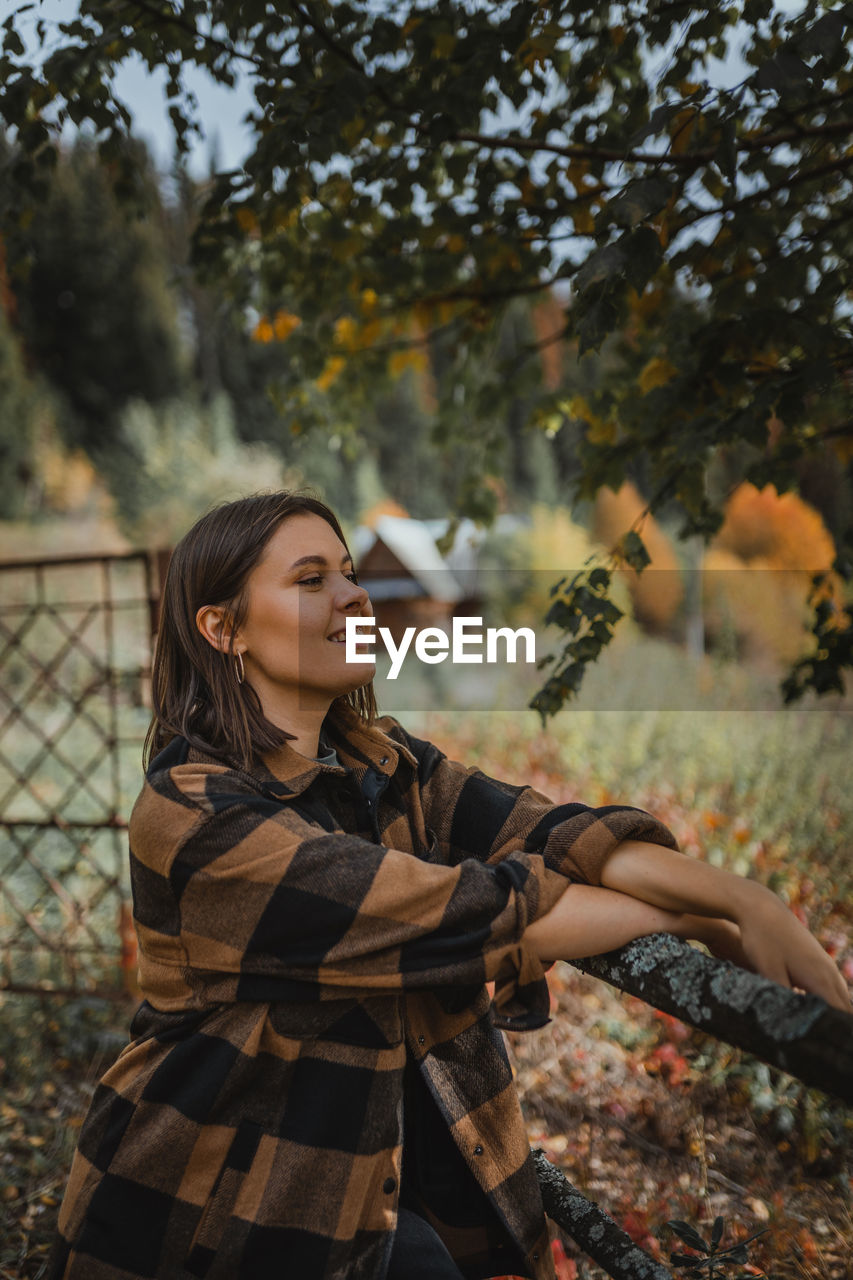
{"x":194,"y":690}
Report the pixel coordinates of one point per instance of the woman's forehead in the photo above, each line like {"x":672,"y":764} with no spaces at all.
{"x":303,"y":535}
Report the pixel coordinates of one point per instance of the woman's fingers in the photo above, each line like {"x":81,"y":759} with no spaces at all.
{"x":822,"y":977}
{"x":772,"y":942}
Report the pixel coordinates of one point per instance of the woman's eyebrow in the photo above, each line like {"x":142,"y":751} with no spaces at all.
{"x":345,"y":559}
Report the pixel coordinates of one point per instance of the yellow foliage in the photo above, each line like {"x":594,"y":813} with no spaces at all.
{"x":369,"y":299}
{"x":285,"y":220}
{"x":246,"y":220}
{"x":369,"y":333}
{"x":409,"y":358}
{"x":346,"y":333}
{"x":332,"y":370}
{"x":657,"y":372}
{"x":599,"y":431}
{"x":284,"y":324}
{"x":281,"y":326}
{"x":657,"y":592}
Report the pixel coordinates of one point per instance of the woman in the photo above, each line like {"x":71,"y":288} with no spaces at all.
{"x":316,"y":1085}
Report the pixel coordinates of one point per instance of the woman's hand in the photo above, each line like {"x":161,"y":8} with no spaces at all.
{"x":776,"y":945}
{"x":721,"y":937}
{"x":771,"y":940}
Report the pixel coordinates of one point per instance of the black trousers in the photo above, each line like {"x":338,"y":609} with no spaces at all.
{"x":419,"y":1252}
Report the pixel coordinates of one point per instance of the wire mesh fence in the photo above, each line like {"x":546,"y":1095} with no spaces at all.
{"x":75,"y":659}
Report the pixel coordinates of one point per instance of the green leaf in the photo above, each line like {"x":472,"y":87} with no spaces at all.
{"x":633,"y":549}
{"x":824,"y":39}
{"x":639,"y":200}
{"x":656,"y":123}
{"x":782,"y":73}
{"x":688,"y":1234}
{"x":643,"y":256}
{"x":601,"y":265}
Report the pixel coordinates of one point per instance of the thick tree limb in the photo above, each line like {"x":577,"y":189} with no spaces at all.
{"x":800,"y":1034}
{"x":595,"y":1232}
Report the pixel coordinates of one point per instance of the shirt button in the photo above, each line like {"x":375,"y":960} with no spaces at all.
{"x":478,"y":1150}
{"x":388,"y":1185}
{"x":421,"y":1039}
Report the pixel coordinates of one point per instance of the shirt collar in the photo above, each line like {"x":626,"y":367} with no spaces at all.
{"x":360,"y":747}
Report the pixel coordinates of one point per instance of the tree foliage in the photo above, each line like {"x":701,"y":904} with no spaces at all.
{"x":680,"y":171}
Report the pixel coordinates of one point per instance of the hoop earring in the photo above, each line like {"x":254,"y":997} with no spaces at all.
{"x":239,"y":669}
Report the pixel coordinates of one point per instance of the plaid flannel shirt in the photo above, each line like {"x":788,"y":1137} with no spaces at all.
{"x":302,"y":929}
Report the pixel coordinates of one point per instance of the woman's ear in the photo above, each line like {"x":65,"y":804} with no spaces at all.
{"x":215,"y":625}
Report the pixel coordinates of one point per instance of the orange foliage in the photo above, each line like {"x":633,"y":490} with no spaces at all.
{"x":658,"y":591}
{"x":780,"y":529}
{"x":760,"y":566}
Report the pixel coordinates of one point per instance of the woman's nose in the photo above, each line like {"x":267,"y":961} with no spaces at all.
{"x":352,"y":597}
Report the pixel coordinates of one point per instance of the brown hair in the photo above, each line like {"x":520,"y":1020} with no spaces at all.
{"x":194,"y":690}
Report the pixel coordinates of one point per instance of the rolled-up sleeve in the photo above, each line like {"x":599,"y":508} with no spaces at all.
{"x":477,"y":816}
{"x":256,"y":902}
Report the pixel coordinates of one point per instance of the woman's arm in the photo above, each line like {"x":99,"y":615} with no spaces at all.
{"x":773,"y":941}
{"x":588,"y":920}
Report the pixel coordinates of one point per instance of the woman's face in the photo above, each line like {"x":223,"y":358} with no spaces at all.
{"x":300,"y":595}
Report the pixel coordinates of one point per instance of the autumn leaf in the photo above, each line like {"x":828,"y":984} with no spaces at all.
{"x":412,"y":358}
{"x":657,"y":372}
{"x":263,"y":331}
{"x":331,"y":372}
{"x":284,"y":324}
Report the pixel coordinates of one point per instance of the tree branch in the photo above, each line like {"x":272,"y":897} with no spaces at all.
{"x":686,"y":159}
{"x":592,"y":1228}
{"x":799,"y":1034}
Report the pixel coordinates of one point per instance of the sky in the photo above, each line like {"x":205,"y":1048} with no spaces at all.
{"x":222,"y":109}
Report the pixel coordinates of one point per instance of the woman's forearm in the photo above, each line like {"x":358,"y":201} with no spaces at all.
{"x":588,"y":920}
{"x":667,"y":879}
{"x":767,"y":936}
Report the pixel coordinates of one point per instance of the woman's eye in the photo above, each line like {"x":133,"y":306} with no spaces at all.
{"x":353,"y":577}
{"x":310,"y":582}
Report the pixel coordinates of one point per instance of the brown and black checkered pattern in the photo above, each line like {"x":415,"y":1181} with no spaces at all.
{"x":301,"y":927}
